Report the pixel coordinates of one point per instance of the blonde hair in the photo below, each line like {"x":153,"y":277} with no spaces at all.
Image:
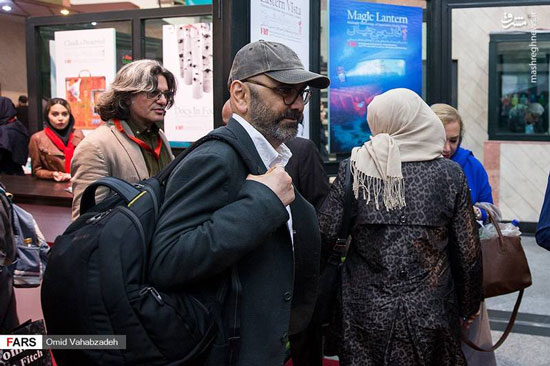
{"x":448,"y":114}
{"x":136,"y":77}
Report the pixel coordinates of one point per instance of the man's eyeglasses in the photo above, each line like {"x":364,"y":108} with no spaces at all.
{"x":288,"y":93}
{"x":157,"y":94}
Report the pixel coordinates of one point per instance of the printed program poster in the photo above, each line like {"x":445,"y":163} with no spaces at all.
{"x":85,"y":64}
{"x":285,"y":22}
{"x":187,"y":53}
{"x":372,"y":48}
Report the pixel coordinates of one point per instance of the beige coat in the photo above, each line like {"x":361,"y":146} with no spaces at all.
{"x":106,"y":152}
{"x":46,"y":157}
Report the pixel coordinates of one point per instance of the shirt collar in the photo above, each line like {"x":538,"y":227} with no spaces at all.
{"x":268,"y":154}
{"x":140,"y":130}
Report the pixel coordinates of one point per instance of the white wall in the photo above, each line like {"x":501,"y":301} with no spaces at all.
{"x":521,"y":170}
{"x":13,"y":63}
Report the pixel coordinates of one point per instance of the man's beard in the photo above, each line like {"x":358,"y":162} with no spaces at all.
{"x":270,"y":124}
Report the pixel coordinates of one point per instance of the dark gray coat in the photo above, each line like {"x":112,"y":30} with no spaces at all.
{"x":212,"y":219}
{"x":410,"y":273}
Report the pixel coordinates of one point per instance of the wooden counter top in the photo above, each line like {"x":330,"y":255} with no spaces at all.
{"x":30,"y":190}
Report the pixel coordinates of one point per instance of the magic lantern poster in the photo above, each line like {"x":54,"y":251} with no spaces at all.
{"x":373,"y":48}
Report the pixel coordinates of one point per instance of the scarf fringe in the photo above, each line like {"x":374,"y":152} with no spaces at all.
{"x":392,"y":189}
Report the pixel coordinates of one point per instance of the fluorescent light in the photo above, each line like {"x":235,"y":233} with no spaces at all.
{"x":6,"y":8}
{"x":64,"y":11}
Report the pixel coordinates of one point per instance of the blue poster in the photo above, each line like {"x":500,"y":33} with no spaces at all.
{"x":372,"y":48}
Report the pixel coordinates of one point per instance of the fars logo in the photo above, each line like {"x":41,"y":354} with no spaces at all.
{"x":20,"y":342}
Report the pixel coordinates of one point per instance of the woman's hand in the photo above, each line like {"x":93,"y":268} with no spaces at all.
{"x":61,"y":177}
{"x":477,"y":213}
{"x":467,"y":322}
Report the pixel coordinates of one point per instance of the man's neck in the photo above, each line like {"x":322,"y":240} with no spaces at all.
{"x":140,"y":125}
{"x":271,"y":141}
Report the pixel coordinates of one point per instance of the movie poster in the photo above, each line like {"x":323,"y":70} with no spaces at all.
{"x":187,"y":53}
{"x":85,"y":64}
{"x":285,"y":22}
{"x":373,"y":48}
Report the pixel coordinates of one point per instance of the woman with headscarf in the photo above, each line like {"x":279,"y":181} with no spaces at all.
{"x":413,"y":271}
{"x":14,"y":139}
{"x":52,"y":148}
{"x":482,"y":199}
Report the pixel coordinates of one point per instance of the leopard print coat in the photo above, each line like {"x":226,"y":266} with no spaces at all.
{"x":410,"y":273}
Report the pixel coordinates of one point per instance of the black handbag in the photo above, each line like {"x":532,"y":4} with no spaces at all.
{"x":330,"y":276}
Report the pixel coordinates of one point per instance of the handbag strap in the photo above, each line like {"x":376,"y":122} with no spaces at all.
{"x":504,"y":335}
{"x":340,"y":248}
{"x":514,"y":312}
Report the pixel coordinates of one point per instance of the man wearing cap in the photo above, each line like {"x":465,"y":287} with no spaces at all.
{"x":219,"y":217}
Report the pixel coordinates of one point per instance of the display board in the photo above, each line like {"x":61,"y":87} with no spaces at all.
{"x":285,"y":22}
{"x":85,"y":65}
{"x":372,"y":48}
{"x":187,"y":53}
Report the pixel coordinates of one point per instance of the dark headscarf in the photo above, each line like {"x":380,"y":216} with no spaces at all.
{"x":7,"y":110}
{"x":65,"y":133}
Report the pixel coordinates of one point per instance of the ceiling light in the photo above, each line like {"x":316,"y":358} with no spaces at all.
{"x":94,"y":23}
{"x":6,"y":8}
{"x":64,"y":11}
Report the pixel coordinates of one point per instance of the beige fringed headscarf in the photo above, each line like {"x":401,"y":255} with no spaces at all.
{"x":404,"y":129}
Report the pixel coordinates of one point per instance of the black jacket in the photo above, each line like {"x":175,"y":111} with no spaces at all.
{"x":307,"y":172}
{"x":14,"y":140}
{"x":212,"y":219}
{"x":14,"y":147}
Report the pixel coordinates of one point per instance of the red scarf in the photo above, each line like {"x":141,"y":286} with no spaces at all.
{"x":67,"y":150}
{"x":141,"y":143}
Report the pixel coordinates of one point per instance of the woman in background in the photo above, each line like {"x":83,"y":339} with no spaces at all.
{"x":482,"y":198}
{"x":413,"y":269}
{"x":52,"y":149}
{"x":478,"y":180}
{"x":14,"y":140}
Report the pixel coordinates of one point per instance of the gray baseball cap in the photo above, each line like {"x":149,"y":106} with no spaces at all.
{"x":275,"y":60}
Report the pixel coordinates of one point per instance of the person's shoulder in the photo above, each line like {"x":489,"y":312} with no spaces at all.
{"x":438,"y":166}
{"x":474,"y":162}
{"x":300,"y":142}
{"x":99,"y":134}
{"x":220,"y":149}
{"x":95,"y":140}
{"x":78,"y":132}
{"x":38,"y":135}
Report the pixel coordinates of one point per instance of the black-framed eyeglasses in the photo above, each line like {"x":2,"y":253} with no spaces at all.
{"x":157,"y":94}
{"x":287,"y":92}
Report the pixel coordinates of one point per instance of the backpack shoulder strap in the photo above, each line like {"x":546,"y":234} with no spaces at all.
{"x":124,"y":189}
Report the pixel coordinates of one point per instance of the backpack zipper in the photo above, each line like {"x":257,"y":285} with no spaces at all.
{"x":153,"y":292}
{"x":99,"y":216}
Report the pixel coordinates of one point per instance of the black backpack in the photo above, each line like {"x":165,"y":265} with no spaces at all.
{"x":96,"y":282}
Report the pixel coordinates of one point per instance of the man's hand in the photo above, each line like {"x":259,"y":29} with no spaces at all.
{"x":278,"y":181}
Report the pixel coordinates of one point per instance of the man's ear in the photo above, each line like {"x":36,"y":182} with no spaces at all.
{"x":240,"y":98}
